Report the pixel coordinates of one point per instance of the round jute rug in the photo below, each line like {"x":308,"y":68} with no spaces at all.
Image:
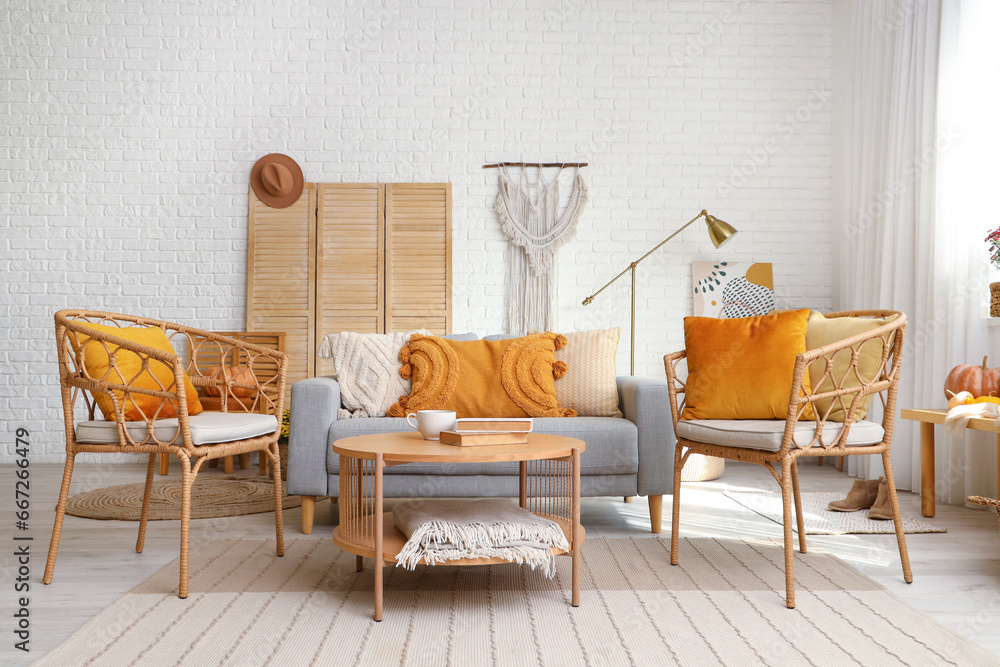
{"x":210,"y":498}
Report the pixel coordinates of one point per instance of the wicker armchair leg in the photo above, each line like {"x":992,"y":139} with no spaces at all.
{"x":897,"y":520}
{"x":799,"y":517}
{"x":50,"y":563}
{"x":187,"y":481}
{"x":146,"y":493}
{"x":675,"y":501}
{"x":786,"y":503}
{"x":279,"y":532}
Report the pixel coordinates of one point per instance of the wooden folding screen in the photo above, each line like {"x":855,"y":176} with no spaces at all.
{"x":350,"y":260}
{"x":366,"y":257}
{"x":281,"y":277}
{"x":418,"y":257}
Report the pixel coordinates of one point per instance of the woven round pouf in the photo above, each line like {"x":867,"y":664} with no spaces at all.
{"x":994,"y":299}
{"x":210,"y":498}
{"x":701,"y":468}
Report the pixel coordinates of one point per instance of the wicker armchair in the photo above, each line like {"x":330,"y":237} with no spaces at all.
{"x":775,"y":443}
{"x":193,"y":439}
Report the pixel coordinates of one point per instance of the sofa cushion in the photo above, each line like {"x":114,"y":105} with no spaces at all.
{"x":612,"y":446}
{"x":590,"y":385}
{"x":367,"y":367}
{"x":824,"y":331}
{"x":207,"y":428}
{"x":512,"y":378}
{"x":742,"y":368}
{"x":767,"y":434}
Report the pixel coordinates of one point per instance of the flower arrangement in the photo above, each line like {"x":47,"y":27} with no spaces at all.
{"x":993,"y":241}
{"x":286,"y":422}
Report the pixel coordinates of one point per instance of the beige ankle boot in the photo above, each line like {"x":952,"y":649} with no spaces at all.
{"x":881,"y":509}
{"x":862,"y":495}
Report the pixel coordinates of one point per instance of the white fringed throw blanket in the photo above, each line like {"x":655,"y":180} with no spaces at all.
{"x":444,"y":530}
{"x":535,"y":230}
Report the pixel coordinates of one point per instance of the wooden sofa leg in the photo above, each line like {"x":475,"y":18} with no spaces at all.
{"x":628,"y":499}
{"x":656,"y":513}
{"x":308,"y":512}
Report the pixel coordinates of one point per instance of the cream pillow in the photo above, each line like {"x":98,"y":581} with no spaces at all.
{"x":822,"y":332}
{"x":367,"y":367}
{"x":590,"y":386}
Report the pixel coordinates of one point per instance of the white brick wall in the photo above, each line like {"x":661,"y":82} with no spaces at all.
{"x":129,"y":129}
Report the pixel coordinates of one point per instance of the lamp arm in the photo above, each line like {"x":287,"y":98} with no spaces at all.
{"x":631,"y":267}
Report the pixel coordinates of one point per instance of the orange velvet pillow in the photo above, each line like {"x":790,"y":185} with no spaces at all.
{"x":482,"y":378}
{"x":741,"y":368}
{"x":128,"y":370}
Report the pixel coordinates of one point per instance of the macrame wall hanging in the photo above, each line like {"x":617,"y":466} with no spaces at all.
{"x":530,"y":218}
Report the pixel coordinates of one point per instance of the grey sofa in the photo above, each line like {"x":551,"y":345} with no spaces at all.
{"x":625,"y":457}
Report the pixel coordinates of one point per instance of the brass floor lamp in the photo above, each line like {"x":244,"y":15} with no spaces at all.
{"x":718,"y":231}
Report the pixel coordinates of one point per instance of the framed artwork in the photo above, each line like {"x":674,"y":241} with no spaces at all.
{"x":732,"y":289}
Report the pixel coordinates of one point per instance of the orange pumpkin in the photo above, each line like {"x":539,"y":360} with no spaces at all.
{"x":977,"y":380}
{"x":239,"y":374}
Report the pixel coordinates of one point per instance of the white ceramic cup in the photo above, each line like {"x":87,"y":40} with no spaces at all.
{"x":430,"y":423}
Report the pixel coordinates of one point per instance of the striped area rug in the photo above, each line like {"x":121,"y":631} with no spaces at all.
{"x":722,"y":605}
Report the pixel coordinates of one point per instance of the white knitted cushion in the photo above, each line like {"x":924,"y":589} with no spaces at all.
{"x":367,"y":367}
{"x":590,"y":386}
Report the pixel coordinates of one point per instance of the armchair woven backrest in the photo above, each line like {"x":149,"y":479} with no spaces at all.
{"x":262,"y":390}
{"x":845,"y":390}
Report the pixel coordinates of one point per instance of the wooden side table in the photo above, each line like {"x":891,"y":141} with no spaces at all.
{"x":927,"y":419}
{"x":549,"y":487}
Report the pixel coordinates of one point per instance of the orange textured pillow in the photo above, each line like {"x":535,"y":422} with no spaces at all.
{"x":741,"y":368}
{"x":482,"y":378}
{"x":128,"y":370}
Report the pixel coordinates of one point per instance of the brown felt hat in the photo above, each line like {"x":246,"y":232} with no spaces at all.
{"x":276,"y":180}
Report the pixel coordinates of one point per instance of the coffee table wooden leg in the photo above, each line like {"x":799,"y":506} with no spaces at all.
{"x":576,"y":527}
{"x":927,"y":469}
{"x":523,"y":484}
{"x":164,"y":464}
{"x":378,"y":537}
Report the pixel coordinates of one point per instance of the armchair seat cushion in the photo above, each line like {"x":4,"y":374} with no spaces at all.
{"x":207,"y":428}
{"x":767,"y":434}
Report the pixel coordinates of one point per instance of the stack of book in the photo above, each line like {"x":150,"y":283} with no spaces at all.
{"x":470,"y":432}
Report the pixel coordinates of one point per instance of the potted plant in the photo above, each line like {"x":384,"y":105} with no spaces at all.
{"x":993,"y":242}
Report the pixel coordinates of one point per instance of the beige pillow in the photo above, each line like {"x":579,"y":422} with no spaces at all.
{"x":822,"y":332}
{"x":589,"y":386}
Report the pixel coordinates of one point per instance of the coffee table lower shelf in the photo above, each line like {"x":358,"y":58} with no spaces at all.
{"x":393,"y":540}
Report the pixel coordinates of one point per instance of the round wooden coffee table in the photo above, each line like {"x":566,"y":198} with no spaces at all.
{"x":549,"y":487}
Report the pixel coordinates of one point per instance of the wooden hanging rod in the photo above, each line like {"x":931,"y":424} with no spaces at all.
{"x":534,"y":164}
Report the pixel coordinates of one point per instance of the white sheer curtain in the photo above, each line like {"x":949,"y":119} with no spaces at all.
{"x":908,"y":241}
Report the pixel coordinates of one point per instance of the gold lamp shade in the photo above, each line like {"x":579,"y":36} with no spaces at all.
{"x":719,"y":231}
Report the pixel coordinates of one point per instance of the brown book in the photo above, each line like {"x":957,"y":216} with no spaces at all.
{"x":498,"y":425}
{"x":475,"y":438}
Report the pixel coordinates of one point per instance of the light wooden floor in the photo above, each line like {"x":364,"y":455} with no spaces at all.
{"x":956,"y":574}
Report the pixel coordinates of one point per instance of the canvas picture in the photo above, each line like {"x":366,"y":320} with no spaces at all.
{"x":732,"y":289}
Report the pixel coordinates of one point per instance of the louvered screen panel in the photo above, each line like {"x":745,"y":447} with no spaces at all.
{"x":281,"y":277}
{"x":350,"y":254}
{"x":418,"y":256}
